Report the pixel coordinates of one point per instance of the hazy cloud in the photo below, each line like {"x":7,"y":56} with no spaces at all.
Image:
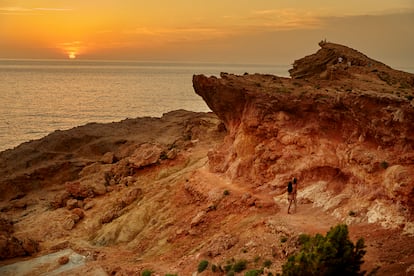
{"x":177,"y":33}
{"x":284,"y":19}
{"x":53,"y":9}
{"x":71,"y":44}
{"x":14,"y":9}
{"x":25,"y":11}
{"x":256,"y":22}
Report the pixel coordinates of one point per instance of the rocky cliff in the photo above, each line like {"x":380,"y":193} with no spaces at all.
{"x":343,"y":125}
{"x":163,"y":194}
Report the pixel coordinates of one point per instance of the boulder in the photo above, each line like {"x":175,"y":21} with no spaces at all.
{"x":71,"y":204}
{"x":70,"y":221}
{"x":95,"y":183}
{"x":79,"y":213}
{"x":199,"y":218}
{"x":63,"y":260}
{"x":60,"y":200}
{"x":77,"y":190}
{"x":108,"y":158}
{"x":221,"y":244}
{"x":88,"y":204}
{"x":145,"y":155}
{"x":130,"y":195}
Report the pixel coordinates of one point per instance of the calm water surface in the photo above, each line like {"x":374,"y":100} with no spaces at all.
{"x":40,"y":96}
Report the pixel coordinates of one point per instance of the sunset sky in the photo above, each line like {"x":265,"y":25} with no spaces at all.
{"x":243,"y":31}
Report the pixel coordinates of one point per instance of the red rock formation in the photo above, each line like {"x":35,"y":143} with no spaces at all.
{"x":334,"y":61}
{"x":352,"y":134}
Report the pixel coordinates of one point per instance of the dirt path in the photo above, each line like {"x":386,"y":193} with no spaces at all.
{"x":306,"y":219}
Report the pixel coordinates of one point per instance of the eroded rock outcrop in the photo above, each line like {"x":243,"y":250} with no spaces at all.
{"x":85,"y":178}
{"x":335,"y":61}
{"x":349,"y":139}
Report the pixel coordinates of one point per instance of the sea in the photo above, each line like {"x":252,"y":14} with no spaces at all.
{"x":40,"y":96}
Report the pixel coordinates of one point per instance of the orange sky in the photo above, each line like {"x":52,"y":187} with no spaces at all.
{"x":260,"y":31}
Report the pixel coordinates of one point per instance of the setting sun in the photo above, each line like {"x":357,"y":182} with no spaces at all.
{"x":264,"y":31}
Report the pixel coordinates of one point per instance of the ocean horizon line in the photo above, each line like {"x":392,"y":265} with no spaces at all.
{"x":159,"y":63}
{"x":145,"y":61}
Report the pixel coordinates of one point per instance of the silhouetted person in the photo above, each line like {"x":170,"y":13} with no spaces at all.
{"x":292,"y":193}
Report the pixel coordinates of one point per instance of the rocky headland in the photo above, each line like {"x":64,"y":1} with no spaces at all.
{"x":162,"y":194}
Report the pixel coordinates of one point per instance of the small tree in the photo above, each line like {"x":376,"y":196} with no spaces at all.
{"x":202,"y":266}
{"x":240,"y":266}
{"x":333,"y":254}
{"x":146,"y":273}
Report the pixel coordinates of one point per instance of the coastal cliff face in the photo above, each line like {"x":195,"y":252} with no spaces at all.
{"x":343,"y":125}
{"x":164,"y":194}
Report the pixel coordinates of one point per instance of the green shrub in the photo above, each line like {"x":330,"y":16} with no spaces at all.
{"x":171,"y":274}
{"x":333,"y":254}
{"x":226,"y":192}
{"x":384,"y":164}
{"x":256,"y":259}
{"x":240,"y":266}
{"x":230,"y":273}
{"x":146,"y":273}
{"x":303,"y":238}
{"x":352,"y":213}
{"x":283,"y":239}
{"x":254,"y":272}
{"x":202,"y":266}
{"x":267,"y":263}
{"x":228,"y":267}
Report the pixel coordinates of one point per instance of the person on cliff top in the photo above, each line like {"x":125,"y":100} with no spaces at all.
{"x":292,"y":193}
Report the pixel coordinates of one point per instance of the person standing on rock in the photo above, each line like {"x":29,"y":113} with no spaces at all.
{"x":295,"y":191}
{"x":292,"y":193}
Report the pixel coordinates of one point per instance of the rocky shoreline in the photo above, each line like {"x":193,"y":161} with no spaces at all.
{"x":162,"y":194}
